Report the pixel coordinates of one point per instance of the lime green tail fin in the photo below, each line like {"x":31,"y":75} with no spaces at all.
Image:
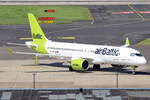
{"x":36,"y":31}
{"x":38,"y":36}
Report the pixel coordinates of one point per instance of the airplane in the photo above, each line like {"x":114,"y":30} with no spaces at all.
{"x":81,"y":55}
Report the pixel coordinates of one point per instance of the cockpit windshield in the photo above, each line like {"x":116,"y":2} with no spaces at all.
{"x":136,"y":54}
{"x":132,"y":54}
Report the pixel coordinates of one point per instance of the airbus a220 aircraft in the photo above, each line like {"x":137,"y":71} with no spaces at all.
{"x":81,"y":55}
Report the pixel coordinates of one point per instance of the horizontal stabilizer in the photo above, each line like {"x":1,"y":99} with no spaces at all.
{"x":30,"y":53}
{"x":17,"y":44}
{"x":8,"y":49}
{"x":24,"y":53}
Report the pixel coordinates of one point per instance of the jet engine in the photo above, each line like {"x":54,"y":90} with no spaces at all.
{"x":79,"y":64}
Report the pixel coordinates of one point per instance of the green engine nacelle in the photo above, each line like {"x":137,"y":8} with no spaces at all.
{"x":79,"y":64}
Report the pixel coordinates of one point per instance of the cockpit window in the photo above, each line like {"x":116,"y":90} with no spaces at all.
{"x":132,"y":54}
{"x":136,"y":54}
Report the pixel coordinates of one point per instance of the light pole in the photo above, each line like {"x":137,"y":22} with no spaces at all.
{"x":36,"y":61}
{"x":34,"y":74}
{"x":116,"y":77}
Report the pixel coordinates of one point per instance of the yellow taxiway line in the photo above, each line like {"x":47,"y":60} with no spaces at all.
{"x":25,"y":38}
{"x":65,"y":37}
{"x":142,"y":18}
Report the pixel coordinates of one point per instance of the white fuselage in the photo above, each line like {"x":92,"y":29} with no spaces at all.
{"x":95,"y":54}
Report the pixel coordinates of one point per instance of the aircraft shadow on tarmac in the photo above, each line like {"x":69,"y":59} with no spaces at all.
{"x":46,"y":71}
{"x":122,"y":71}
{"x":60,"y":64}
{"x":91,"y":70}
{"x":56,"y":64}
{"x":2,"y":71}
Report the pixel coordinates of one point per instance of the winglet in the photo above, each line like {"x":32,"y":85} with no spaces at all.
{"x":127,"y":42}
{"x":8,"y":49}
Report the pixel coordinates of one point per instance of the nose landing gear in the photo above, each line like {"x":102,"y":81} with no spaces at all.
{"x":133,"y":69}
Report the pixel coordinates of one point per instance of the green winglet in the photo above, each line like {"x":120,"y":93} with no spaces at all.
{"x":8,"y":49}
{"x":127,"y":41}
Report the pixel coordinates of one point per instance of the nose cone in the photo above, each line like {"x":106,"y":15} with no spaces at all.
{"x":142,"y":61}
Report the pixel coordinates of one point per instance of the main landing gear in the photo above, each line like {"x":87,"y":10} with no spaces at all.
{"x":96,"y":67}
{"x":71,"y":69}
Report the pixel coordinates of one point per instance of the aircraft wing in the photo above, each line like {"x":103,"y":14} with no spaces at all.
{"x":88,"y":58}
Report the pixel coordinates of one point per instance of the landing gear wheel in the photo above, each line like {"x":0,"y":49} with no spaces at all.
{"x":96,"y":67}
{"x":133,"y":71}
{"x":71,"y":69}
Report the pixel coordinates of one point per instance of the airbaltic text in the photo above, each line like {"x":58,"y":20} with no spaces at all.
{"x":106,"y":51}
